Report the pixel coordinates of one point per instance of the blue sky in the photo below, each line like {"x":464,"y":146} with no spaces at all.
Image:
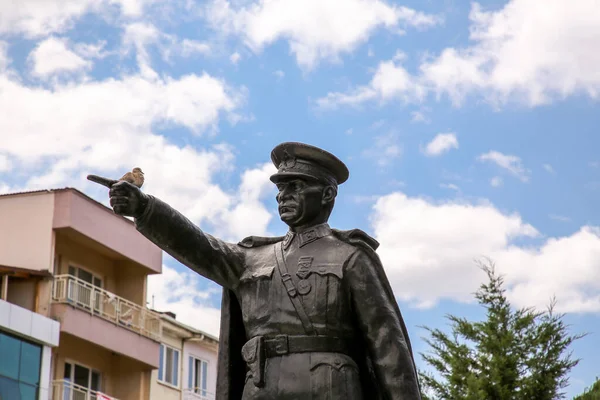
{"x":469,"y":130}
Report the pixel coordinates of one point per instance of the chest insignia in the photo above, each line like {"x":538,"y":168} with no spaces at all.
{"x":304,"y":264}
{"x":304,"y":287}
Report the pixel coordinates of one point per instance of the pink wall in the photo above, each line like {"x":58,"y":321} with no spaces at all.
{"x":26,"y":231}
{"x":99,"y":223}
{"x":106,"y":334}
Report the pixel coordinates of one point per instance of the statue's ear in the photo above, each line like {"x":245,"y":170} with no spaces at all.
{"x":329,"y":194}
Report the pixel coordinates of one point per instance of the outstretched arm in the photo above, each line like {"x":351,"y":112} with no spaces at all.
{"x":382,"y":327}
{"x":212,"y":258}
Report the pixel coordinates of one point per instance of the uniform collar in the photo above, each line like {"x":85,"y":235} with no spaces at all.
{"x":307,"y":236}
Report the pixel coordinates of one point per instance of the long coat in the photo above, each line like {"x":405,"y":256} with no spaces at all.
{"x":344,"y":292}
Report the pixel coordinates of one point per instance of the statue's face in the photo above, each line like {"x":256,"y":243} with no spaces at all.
{"x":300,"y":201}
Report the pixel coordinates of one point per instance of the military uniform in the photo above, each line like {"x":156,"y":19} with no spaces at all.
{"x":317,"y":315}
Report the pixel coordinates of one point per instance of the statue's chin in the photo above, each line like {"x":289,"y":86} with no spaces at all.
{"x":288,"y":219}
{"x":291,"y":219}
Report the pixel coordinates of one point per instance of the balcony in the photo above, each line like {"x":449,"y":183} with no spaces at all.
{"x":101,"y":318}
{"x":97,"y":301}
{"x":65,"y":390}
{"x":197,"y":394}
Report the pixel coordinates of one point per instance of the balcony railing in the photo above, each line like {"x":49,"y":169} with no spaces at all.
{"x":97,"y":301}
{"x":65,"y":390}
{"x":197,"y":394}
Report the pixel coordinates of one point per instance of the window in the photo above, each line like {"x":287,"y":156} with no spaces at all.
{"x":168,"y":367}
{"x":20,"y":366}
{"x":85,"y":276}
{"x":79,"y":380}
{"x":81,"y":293}
{"x":198,"y":375}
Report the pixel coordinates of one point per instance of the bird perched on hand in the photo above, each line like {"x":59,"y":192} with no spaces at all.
{"x":135,"y":177}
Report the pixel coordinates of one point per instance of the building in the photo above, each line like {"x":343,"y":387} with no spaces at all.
{"x":74,"y":282}
{"x":187,"y":363}
{"x":26,"y":342}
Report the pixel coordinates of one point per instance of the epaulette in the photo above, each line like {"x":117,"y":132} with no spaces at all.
{"x":357,"y":237}
{"x":257,"y":241}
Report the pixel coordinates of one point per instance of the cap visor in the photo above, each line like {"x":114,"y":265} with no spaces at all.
{"x":280,"y":176}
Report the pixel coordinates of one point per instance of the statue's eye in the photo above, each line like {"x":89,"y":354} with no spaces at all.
{"x":298,"y":186}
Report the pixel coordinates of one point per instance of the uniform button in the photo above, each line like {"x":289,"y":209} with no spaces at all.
{"x":322,"y":269}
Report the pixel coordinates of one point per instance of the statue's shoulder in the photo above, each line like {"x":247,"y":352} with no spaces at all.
{"x":357,"y":238}
{"x":258,"y":241}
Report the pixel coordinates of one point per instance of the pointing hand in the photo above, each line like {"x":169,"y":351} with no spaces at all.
{"x":126,"y":198}
{"x":135,"y":177}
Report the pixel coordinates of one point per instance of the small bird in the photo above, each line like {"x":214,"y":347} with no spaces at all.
{"x":135,"y":177}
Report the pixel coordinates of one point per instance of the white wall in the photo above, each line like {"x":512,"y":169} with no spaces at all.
{"x":200,"y":350}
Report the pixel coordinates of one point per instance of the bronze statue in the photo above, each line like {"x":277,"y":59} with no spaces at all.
{"x":309,"y":315}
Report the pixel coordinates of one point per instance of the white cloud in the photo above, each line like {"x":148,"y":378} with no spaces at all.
{"x":548,"y":168}
{"x":390,"y":82}
{"x":385,"y":150}
{"x":560,"y":218}
{"x":496,"y":181}
{"x":418,"y":116}
{"x":4,"y":59}
{"x":235,"y":58}
{"x":40,"y":17}
{"x":508,"y":162}
{"x":52,"y":56}
{"x":5,"y":164}
{"x":279,"y":74}
{"x":133,"y":8}
{"x":506,"y":60}
{"x":105,"y":127}
{"x":315,"y":29}
{"x":178,"y":292}
{"x":450,"y":186}
{"x":91,"y":50}
{"x":190,"y":47}
{"x":249,"y":215}
{"x":140,"y":36}
{"x":441,"y":143}
{"x":428,"y":250}
{"x":510,"y":60}
{"x":36,"y":18}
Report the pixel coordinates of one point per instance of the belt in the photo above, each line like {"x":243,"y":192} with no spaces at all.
{"x":283,"y":344}
{"x":259,"y":348}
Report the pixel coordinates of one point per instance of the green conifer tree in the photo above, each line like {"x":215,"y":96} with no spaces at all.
{"x":511,"y":355}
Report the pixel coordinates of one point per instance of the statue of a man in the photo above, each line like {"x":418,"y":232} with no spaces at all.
{"x":310,"y":315}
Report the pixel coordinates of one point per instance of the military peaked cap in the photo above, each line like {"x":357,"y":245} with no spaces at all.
{"x":294,"y":159}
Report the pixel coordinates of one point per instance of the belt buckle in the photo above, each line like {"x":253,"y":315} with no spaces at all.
{"x":281,"y":345}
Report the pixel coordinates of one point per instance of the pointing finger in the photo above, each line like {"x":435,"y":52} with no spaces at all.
{"x":101,"y":180}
